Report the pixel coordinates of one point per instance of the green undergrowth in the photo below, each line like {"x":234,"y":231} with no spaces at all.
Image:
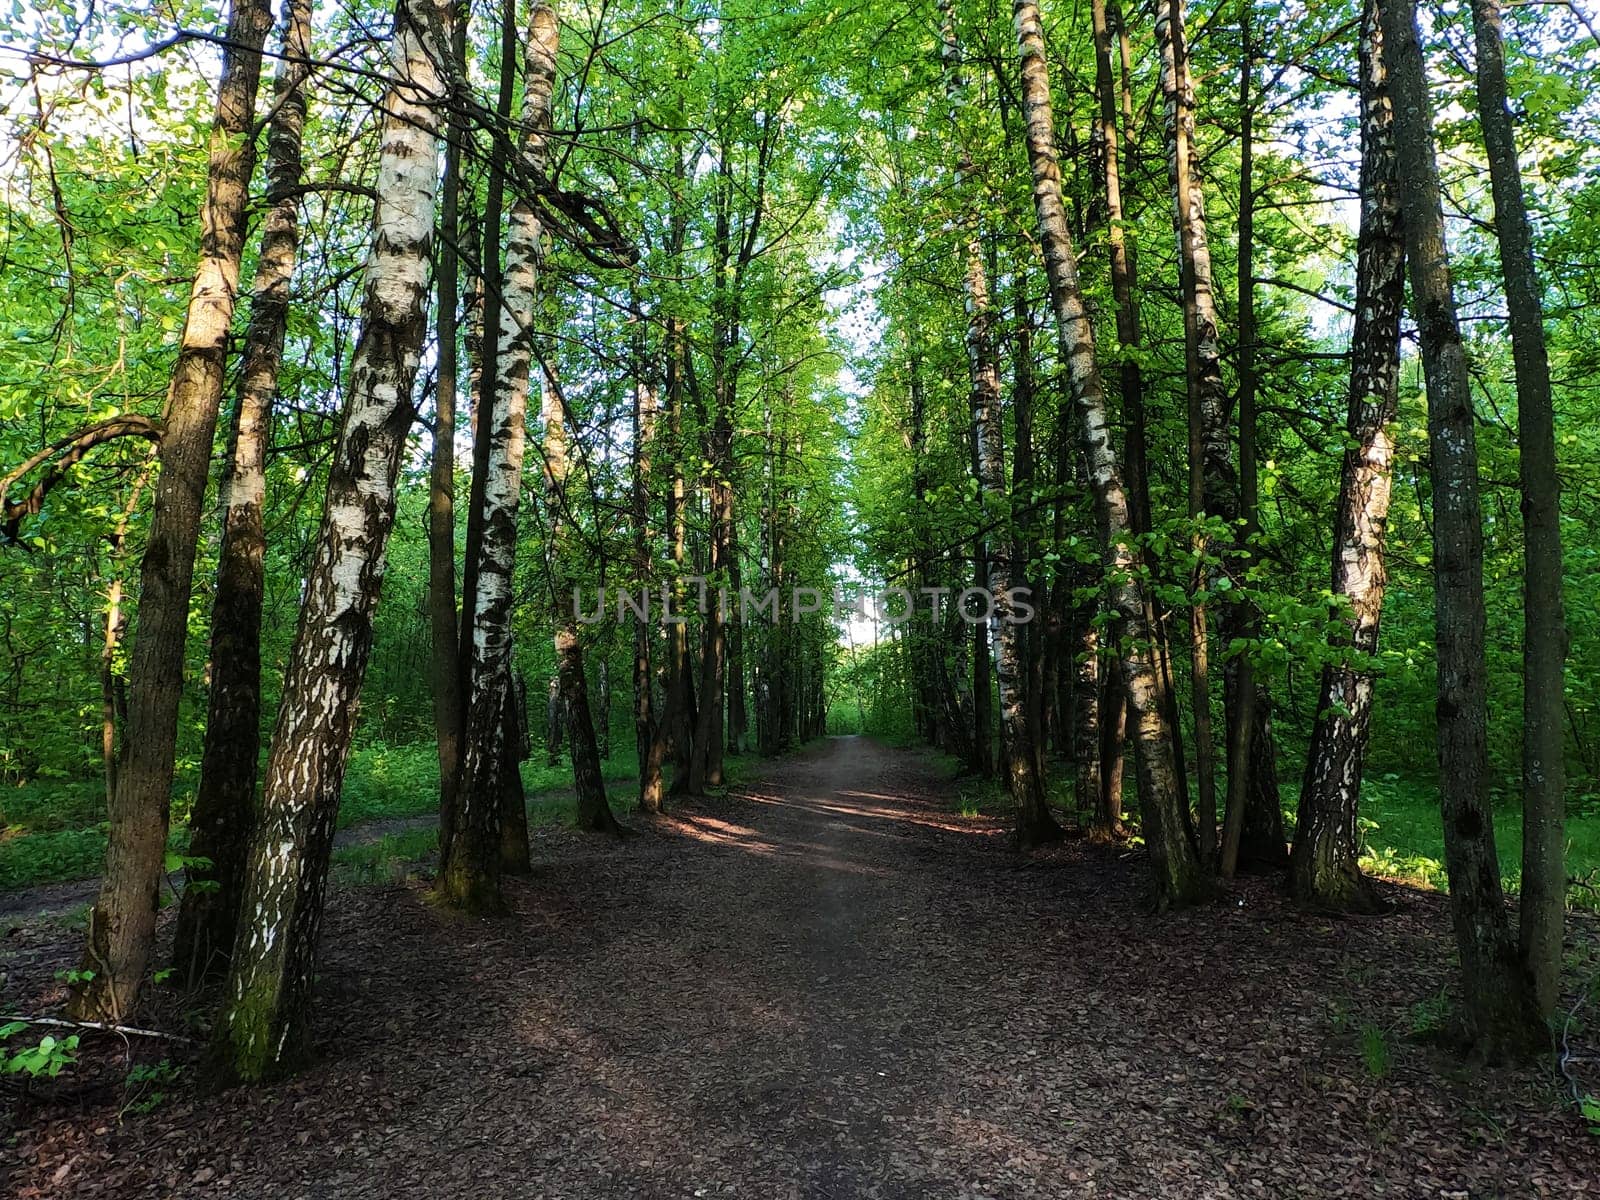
{"x":55,"y":830}
{"x":1400,"y":825}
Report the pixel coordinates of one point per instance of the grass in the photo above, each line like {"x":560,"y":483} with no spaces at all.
{"x":384,"y":859}
{"x":53,"y":831}
{"x":1405,"y":839}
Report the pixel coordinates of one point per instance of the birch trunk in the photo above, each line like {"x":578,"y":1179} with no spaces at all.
{"x":263,"y":1027}
{"x":122,"y":922}
{"x":1024,"y":545}
{"x":224,"y":808}
{"x":1324,"y":871}
{"x":470,"y":880}
{"x":491,"y":334}
{"x":1212,"y":489}
{"x":1177,"y":876}
{"x":1544,"y":645}
{"x":1501,"y":1014}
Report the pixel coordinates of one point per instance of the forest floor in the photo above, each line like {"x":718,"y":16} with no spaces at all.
{"x":829,"y":985}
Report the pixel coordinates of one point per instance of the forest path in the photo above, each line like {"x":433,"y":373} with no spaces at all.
{"x":831,"y":986}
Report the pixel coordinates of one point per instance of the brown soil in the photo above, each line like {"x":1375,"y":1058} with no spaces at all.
{"x":831,"y":986}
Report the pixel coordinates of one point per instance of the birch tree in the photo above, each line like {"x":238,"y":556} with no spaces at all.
{"x":471,"y":878}
{"x":1177,"y":875}
{"x":1210,"y":469}
{"x":263,"y":1026}
{"x":1034,"y":821}
{"x":1323,"y":868}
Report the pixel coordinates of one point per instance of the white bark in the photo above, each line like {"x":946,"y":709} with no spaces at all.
{"x":1177,"y":877}
{"x":472,"y":877}
{"x":263,"y":1024}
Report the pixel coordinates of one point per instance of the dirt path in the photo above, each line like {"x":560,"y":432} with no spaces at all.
{"x":832,"y":987}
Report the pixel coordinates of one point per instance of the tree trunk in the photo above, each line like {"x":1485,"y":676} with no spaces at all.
{"x":122,"y":922}
{"x":1088,"y":686}
{"x":981,"y":748}
{"x":705,"y":765}
{"x":224,"y":807}
{"x":1544,"y":646}
{"x":1113,"y":735}
{"x":644,"y":721}
{"x":443,"y":619}
{"x":263,"y":1027}
{"x":491,"y":337}
{"x":738,"y":717}
{"x":984,"y":390}
{"x":1501,"y":1014}
{"x":1252,"y":760}
{"x":1212,"y":488}
{"x":470,"y":880}
{"x":1035,"y":824}
{"x":1024,"y":545}
{"x":1324,"y":870}
{"x":594,"y":812}
{"x":1176,"y":873}
{"x":680,"y":724}
{"x":1125,"y":293}
{"x":113,"y":684}
{"x":670,"y":729}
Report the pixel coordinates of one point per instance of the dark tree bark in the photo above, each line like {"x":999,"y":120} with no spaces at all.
{"x":262,"y":1030}
{"x":671,"y":730}
{"x":113,"y":684}
{"x":1088,"y":689}
{"x":224,"y":807}
{"x":1544,"y":645}
{"x":1501,"y":1014}
{"x":594,"y":811}
{"x":1324,"y":870}
{"x":1252,"y":760}
{"x":448,"y":708}
{"x":1025,"y":541}
{"x":645,"y":405}
{"x":680,"y":723}
{"x":1113,"y":735}
{"x":516,"y":854}
{"x":122,"y":922}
